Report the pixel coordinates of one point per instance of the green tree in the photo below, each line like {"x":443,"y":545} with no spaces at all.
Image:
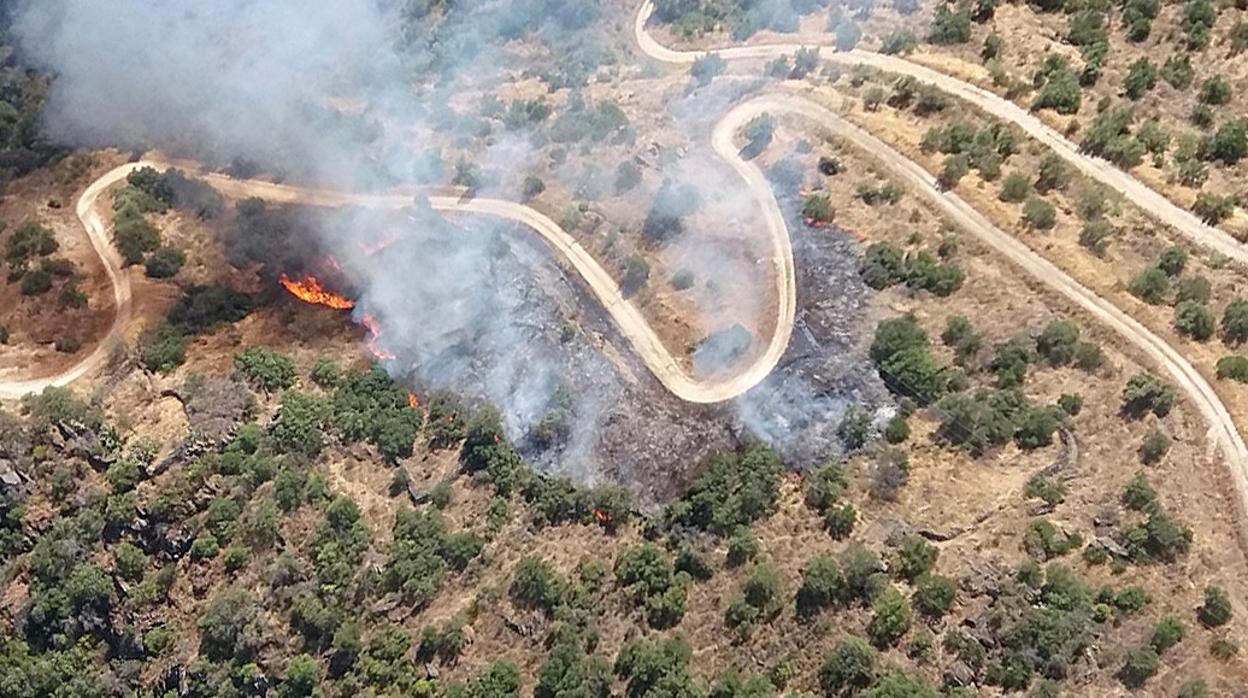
{"x":890,"y":618}
{"x":1194,"y":320}
{"x":849,"y":668}
{"x":265,"y":368}
{"x":1216,"y":610}
{"x":1150,"y":285}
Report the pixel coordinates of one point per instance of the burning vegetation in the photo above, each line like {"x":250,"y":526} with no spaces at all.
{"x":310,"y":290}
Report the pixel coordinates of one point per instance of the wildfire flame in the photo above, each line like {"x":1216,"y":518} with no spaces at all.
{"x":413,"y":401}
{"x":310,"y":290}
{"x":602,"y":517}
{"x":374,"y":334}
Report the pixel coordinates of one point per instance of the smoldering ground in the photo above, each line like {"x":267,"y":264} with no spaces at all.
{"x":266,"y":83}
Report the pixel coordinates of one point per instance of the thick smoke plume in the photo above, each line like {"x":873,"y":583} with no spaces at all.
{"x":347,"y":93}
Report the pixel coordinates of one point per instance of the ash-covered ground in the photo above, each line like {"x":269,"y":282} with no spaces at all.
{"x":501,"y":321}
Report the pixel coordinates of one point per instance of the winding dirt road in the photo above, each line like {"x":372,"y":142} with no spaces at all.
{"x":634,"y":326}
{"x":1103,"y":171}
{"x":1222,"y":429}
{"x":631,"y":323}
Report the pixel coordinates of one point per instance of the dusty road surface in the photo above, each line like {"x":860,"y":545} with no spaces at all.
{"x":1223,"y":431}
{"x":1103,"y":171}
{"x":649,"y":347}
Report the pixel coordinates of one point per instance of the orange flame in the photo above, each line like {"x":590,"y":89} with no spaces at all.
{"x":413,"y":401}
{"x":602,"y":517}
{"x":374,"y":334}
{"x":310,"y":290}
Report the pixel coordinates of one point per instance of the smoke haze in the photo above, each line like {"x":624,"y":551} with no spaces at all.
{"x":326,"y":91}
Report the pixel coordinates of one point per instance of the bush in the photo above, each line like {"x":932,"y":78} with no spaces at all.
{"x":35,"y":282}
{"x":1015,"y":187}
{"x":204,"y":308}
{"x":890,"y":618}
{"x":1039,"y":214}
{"x":706,"y":68}
{"x":1150,"y":286}
{"x":1235,"y":322}
{"x":1196,"y":289}
{"x":1057,"y":342}
{"x":1194,"y":320}
{"x":29,"y":240}
{"x":1216,"y":610}
{"x":1155,"y":446}
{"x":1215,"y":91}
{"x":849,"y":668}
{"x":882,"y":266}
{"x":1141,"y":664}
{"x":822,"y":586}
{"x":915,"y":558}
{"x":265,"y":368}
{"x":1233,"y":367}
{"x":164,"y":263}
{"x":949,"y":27}
{"x":1172,"y":261}
{"x":162,"y":349}
{"x":818,"y":209}
{"x":1141,"y":77}
{"x":759,"y":600}
{"x":1144,"y":393}
{"x":733,"y":490}
{"x":1166,"y":634}
{"x":933,"y":595}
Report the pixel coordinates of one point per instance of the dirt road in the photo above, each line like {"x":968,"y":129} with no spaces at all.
{"x":1149,"y":200}
{"x":101,"y":242}
{"x":631,"y":323}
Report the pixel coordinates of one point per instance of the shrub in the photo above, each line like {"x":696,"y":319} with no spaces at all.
{"x":204,"y":308}
{"x":882,"y":266}
{"x":915,"y":558}
{"x":1141,"y":77}
{"x":162,"y":349}
{"x":1015,"y":187}
{"x":1166,"y":634}
{"x":759,"y":599}
{"x":1039,"y":214}
{"x":265,"y":368}
{"x":1057,"y":342}
{"x":1139,"y":493}
{"x":1172,"y":261}
{"x":898,"y":41}
{"x":35,"y":282}
{"x":1144,"y":393}
{"x":1194,"y":320}
{"x":949,"y":27}
{"x":1196,"y":289}
{"x":1233,"y":367}
{"x":818,"y":209}
{"x":822,"y":586}
{"x":742,"y":547}
{"x":1053,"y":174}
{"x":1235,"y":322}
{"x":1155,"y":446}
{"x":890,"y":618}
{"x":1215,"y":91}
{"x":1178,"y":71}
{"x":733,"y":490}
{"x":849,"y":668}
{"x":1216,"y":610}
{"x":636,"y":274}
{"x":1141,"y":664}
{"x":933,"y":595}
{"x":1150,"y":285}
{"x":164,"y":263}
{"x":706,"y":68}
{"x":1041,"y":487}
